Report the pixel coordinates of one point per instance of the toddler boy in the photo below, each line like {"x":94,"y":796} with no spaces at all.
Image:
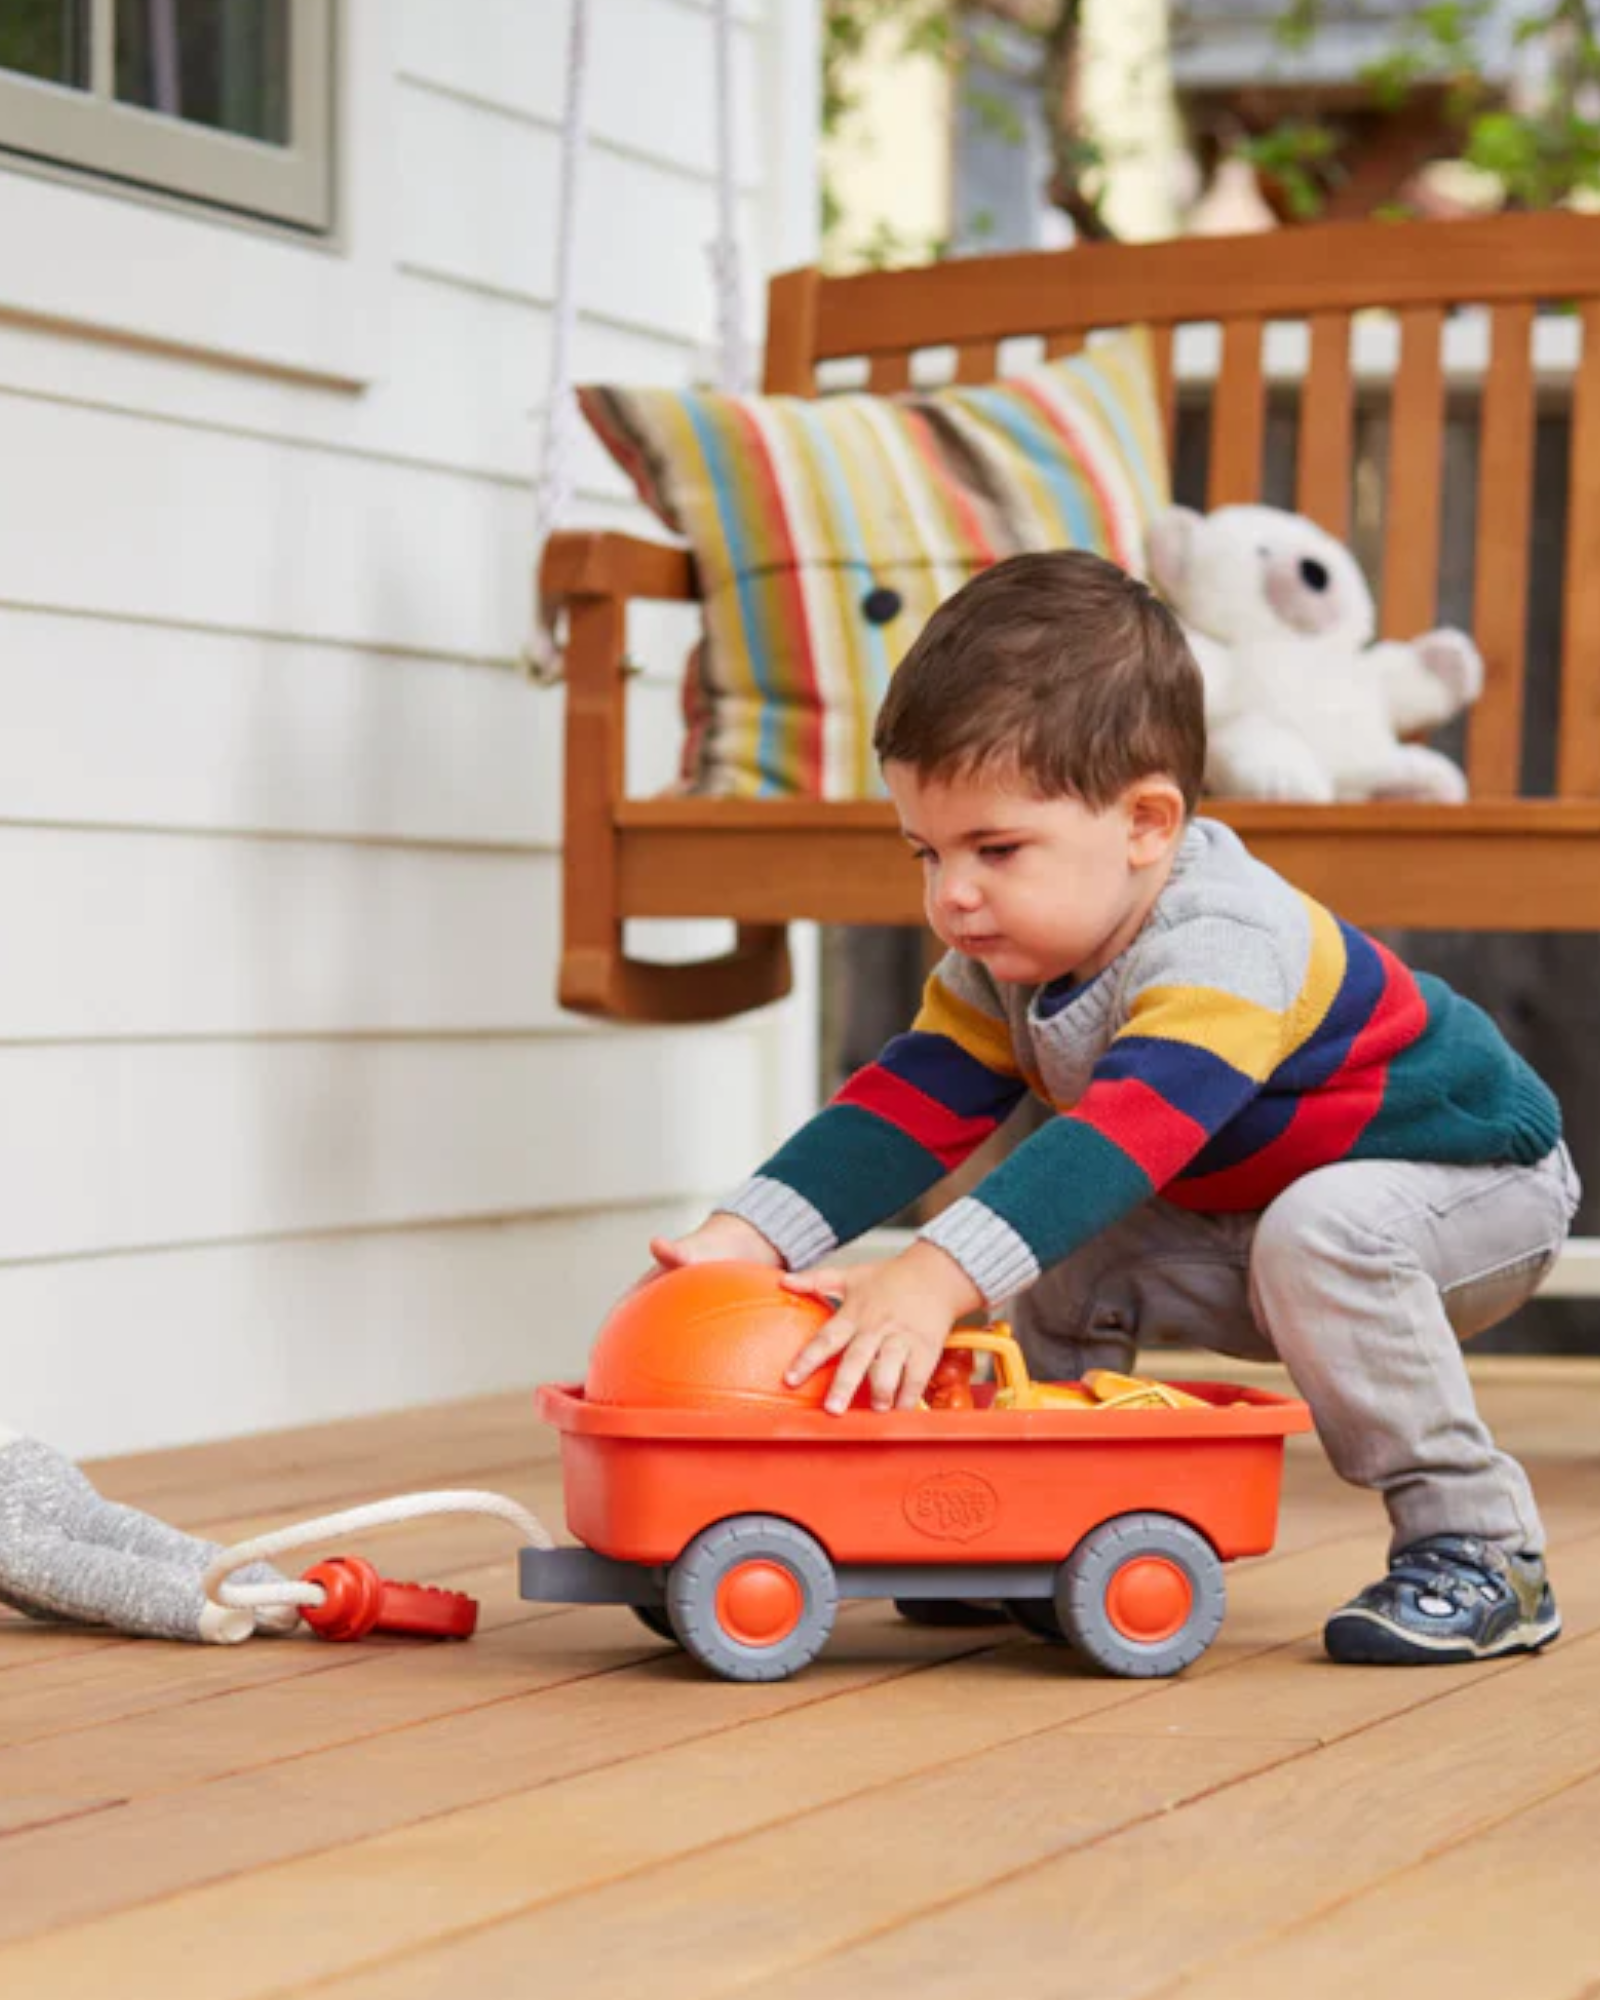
{"x":1272,"y":1139}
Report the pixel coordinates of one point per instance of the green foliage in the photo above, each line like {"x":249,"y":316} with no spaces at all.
{"x":911,"y":31}
{"x":1541,"y":153}
{"x":950,"y":33}
{"x":916,"y":30}
{"x":1299,"y":155}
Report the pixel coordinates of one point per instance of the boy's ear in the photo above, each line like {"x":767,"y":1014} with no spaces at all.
{"x":1155,"y":819}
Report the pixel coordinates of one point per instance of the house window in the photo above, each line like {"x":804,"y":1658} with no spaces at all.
{"x":226,"y":102}
{"x":1001,"y":168}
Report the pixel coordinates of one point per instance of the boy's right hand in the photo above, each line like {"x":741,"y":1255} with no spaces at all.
{"x":721,"y":1238}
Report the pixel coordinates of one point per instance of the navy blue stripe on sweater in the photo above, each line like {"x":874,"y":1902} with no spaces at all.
{"x":1268,"y":1116}
{"x":1262,"y":1120}
{"x":1360,"y":991}
{"x":943,"y":1070}
{"x":1192,"y":1080}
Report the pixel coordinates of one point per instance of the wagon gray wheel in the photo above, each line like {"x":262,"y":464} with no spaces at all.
{"x":1141,"y":1595}
{"x":653,"y":1618}
{"x":1039,"y":1616}
{"x":753,"y":1598}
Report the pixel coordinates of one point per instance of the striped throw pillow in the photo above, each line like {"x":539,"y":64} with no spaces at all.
{"x":826,"y":532}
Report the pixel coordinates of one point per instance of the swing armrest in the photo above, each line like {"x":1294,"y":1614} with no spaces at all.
{"x":594,"y":576}
{"x":611,"y":565}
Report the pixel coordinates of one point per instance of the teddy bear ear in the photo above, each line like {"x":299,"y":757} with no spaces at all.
{"x":1169,"y":545}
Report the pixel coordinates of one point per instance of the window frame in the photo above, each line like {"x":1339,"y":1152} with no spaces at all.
{"x":90,"y":131}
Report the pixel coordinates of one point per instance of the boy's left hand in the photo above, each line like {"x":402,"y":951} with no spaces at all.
{"x":890,"y":1326}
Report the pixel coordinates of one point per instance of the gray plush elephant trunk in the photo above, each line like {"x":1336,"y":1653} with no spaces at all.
{"x":67,"y":1554}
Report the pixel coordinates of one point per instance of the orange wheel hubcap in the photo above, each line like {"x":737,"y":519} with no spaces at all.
{"x":759,"y":1603}
{"x":1149,"y":1599}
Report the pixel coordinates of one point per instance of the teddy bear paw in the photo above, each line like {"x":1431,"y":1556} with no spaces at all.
{"x":1454,"y":661}
{"x":1417,"y":772}
{"x":1254,"y":758}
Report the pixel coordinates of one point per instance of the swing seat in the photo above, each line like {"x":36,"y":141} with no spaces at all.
{"x":1503,"y":861}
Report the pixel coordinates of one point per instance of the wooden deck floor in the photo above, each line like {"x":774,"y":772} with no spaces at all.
{"x":563,"y":1806}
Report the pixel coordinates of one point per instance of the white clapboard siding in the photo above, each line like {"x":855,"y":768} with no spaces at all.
{"x":651,"y":72}
{"x":130,"y":1353}
{"x":291,"y":1125}
{"x":460,"y":171}
{"x":464,"y":384}
{"x":194,"y":527}
{"x":108,"y":723}
{"x":111,"y":935}
{"x":127,"y":1145}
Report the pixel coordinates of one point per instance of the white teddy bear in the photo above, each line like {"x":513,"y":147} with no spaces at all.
{"x":1300,"y":704}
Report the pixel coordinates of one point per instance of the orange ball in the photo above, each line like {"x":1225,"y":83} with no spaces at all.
{"x":707,"y":1336}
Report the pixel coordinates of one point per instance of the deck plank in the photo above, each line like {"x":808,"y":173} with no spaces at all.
{"x":388,"y":1820}
{"x":979,"y":1814}
{"x":1416,"y":1930}
{"x":1463,"y":1752}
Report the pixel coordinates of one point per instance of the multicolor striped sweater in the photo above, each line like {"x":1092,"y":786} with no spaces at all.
{"x":1244,"y":1038}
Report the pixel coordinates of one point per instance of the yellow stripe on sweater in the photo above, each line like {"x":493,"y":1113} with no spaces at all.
{"x":1246,"y":1035}
{"x":1325,"y":970}
{"x":983,"y":1038}
{"x":1252,"y":1038}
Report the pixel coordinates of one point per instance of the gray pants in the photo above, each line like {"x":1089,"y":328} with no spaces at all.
{"x":1363,"y":1279}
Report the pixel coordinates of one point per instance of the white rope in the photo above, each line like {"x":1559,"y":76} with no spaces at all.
{"x":553,"y":487}
{"x":555,"y":483}
{"x":354,"y":1520}
{"x":733,"y":357}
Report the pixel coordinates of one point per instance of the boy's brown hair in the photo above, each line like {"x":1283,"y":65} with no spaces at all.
{"x":1060,"y":670}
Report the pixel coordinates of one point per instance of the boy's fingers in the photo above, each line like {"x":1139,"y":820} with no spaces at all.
{"x":822,"y":1346}
{"x":666,"y":1252}
{"x":886,"y":1373}
{"x":819,"y":1284}
{"x":914,"y":1382}
{"x":847,"y":1377}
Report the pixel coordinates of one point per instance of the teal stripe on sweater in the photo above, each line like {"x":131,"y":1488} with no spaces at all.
{"x":855,"y":1168}
{"x":1460,"y":1095}
{"x":1028,"y":1189}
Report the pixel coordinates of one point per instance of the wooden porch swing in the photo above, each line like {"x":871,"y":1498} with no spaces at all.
{"x":1503,"y":861}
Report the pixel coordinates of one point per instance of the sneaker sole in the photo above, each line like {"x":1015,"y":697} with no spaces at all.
{"x":1359,"y":1638}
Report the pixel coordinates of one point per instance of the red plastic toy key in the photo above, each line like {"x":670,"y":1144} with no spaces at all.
{"x":359,"y":1601}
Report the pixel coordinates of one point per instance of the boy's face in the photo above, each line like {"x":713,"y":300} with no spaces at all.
{"x":1035,"y":888}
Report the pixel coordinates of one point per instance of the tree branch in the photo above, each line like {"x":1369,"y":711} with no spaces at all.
{"x":1068,"y":153}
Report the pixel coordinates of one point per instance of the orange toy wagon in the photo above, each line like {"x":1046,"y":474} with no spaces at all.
{"x":732,"y":1513}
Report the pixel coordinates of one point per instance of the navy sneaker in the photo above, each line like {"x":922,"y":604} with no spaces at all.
{"x":1447,"y":1598}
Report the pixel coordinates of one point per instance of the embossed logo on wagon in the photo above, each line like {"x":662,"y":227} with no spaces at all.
{"x":953,"y":1506}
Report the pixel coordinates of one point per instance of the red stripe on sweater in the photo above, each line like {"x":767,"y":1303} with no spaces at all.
{"x":1395,"y":1023}
{"x":1154,"y":1134}
{"x":1330,"y":1120}
{"x":943,"y":1132}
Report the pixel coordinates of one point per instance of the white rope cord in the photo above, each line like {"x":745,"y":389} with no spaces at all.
{"x":354,"y":1520}
{"x":733,"y":357}
{"x":553,"y":488}
{"x":555,"y":483}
